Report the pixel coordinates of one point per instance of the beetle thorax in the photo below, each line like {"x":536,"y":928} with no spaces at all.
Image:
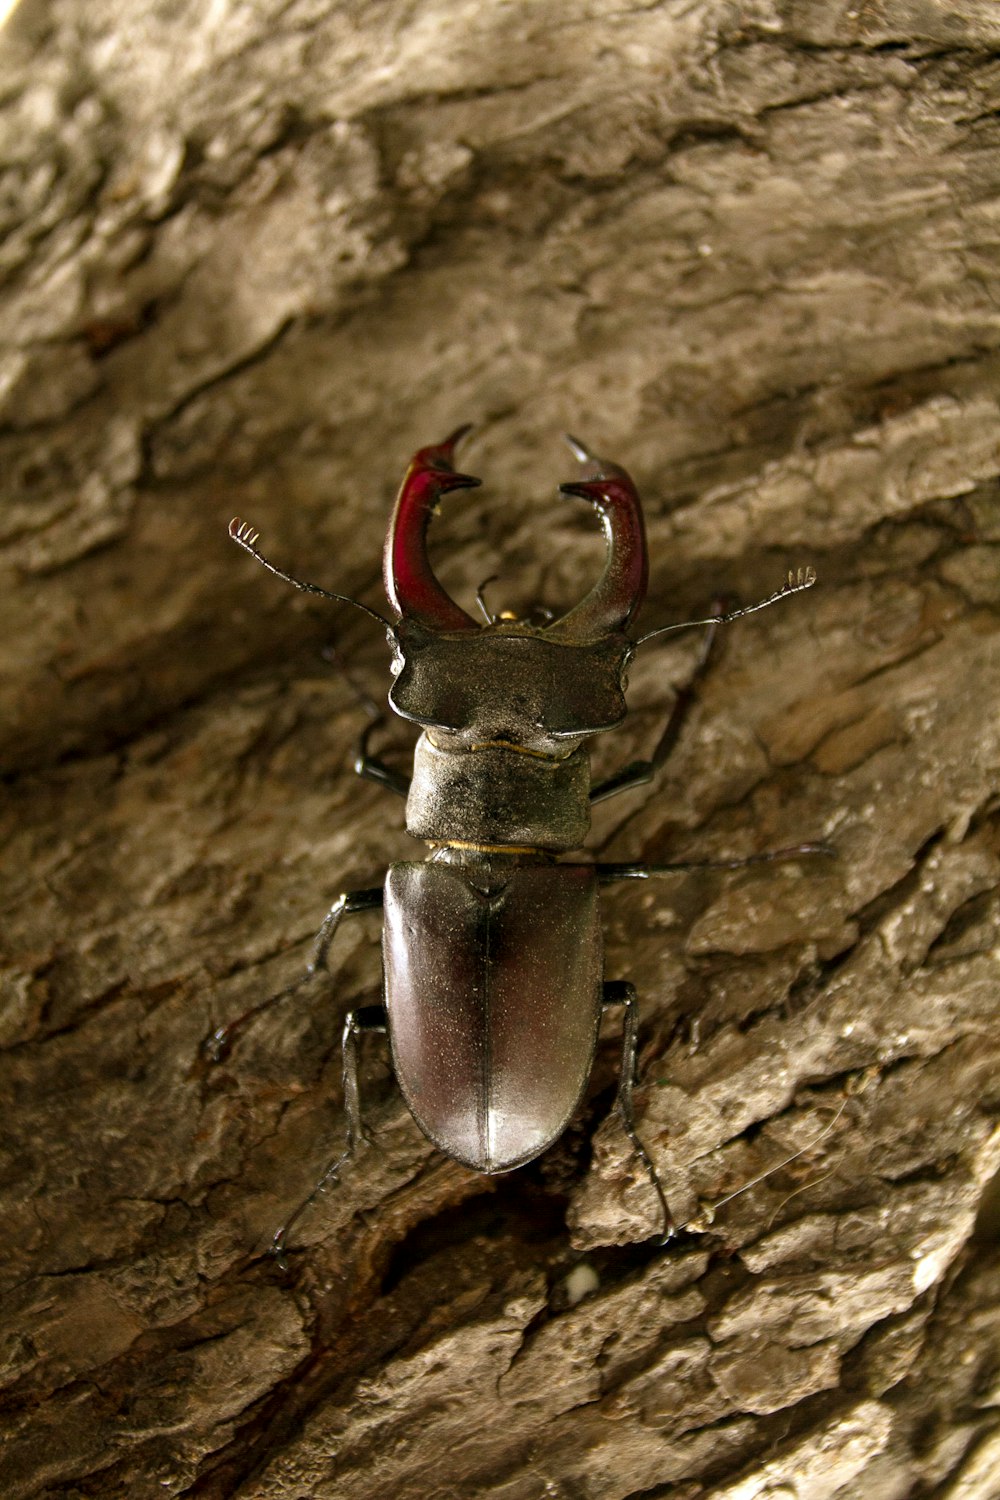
{"x":500,"y":763}
{"x":509,"y":683}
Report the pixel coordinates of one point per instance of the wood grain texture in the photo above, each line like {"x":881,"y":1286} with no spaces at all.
{"x":253,"y":257}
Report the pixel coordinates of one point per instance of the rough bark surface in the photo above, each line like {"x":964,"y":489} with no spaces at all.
{"x":253,"y":256}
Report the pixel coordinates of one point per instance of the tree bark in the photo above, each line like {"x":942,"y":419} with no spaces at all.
{"x":254,"y":257}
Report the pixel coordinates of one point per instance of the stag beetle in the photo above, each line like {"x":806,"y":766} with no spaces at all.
{"x":492,"y":951}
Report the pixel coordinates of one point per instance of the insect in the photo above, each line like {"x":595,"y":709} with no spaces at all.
{"x":494,"y":983}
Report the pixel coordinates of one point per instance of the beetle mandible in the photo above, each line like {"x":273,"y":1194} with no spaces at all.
{"x":493,"y":969}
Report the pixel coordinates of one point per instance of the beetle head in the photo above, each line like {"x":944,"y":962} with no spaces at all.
{"x":537,"y":686}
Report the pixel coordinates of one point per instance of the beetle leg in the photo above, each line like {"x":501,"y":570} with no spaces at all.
{"x":374,"y":769}
{"x":347,"y":905}
{"x":606,"y":873}
{"x":621,"y":992}
{"x":370,"y":1018}
{"x":367,"y":1018}
{"x":369,"y":766}
{"x":640,"y":772}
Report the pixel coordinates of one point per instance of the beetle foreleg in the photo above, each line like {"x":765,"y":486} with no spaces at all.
{"x":640,"y":772}
{"x":373,"y":769}
{"x":621,"y":992}
{"x":347,"y":905}
{"x":369,"y":766}
{"x":367,"y":1018}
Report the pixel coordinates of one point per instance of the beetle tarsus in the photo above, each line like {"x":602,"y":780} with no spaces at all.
{"x":278,"y":1248}
{"x":702,"y":1221}
{"x":218,"y":1046}
{"x":366,"y":1019}
{"x":622,"y":992}
{"x":481,"y":600}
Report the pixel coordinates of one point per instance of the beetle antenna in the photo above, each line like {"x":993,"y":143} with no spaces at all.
{"x":795,"y":583}
{"x":702,"y":1221}
{"x":246,"y":537}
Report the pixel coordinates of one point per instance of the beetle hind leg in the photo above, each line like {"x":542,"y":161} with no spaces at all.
{"x":366,"y":1019}
{"x":622,"y":992}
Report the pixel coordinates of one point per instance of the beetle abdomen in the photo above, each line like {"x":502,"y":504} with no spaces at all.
{"x":493,"y":990}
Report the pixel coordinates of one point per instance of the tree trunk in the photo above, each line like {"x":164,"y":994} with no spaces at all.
{"x":257,"y":255}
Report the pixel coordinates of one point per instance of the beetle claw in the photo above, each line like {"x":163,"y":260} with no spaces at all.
{"x":216,"y":1046}
{"x":276,"y":1250}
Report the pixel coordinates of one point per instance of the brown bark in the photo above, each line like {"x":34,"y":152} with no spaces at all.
{"x":254,"y":257}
